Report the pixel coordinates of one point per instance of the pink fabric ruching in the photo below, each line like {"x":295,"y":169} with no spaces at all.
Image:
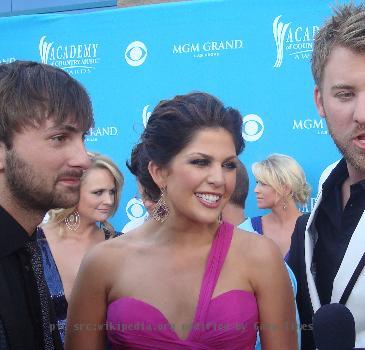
{"x":226,"y":322}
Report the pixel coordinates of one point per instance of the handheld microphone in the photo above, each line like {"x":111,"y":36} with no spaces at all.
{"x":334,"y":328}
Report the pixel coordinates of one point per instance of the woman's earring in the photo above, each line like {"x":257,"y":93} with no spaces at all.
{"x":72,"y":221}
{"x":220,"y":218}
{"x":285,"y":204}
{"x":161,"y":211}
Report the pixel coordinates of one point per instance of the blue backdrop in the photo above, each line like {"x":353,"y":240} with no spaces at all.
{"x":254,"y":57}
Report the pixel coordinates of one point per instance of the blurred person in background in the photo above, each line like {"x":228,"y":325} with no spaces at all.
{"x":281,"y":186}
{"x":234,"y":212}
{"x":70,"y":233}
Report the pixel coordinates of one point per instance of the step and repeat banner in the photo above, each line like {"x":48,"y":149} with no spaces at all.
{"x":253,"y":55}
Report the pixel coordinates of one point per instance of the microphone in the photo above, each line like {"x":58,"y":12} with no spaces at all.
{"x":334,"y":328}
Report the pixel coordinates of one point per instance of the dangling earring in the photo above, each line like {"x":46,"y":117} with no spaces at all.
{"x":161,"y":211}
{"x":72,"y":221}
{"x":220,"y":218}
{"x":285,"y":204}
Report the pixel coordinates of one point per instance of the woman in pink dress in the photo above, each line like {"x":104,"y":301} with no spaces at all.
{"x":183,"y":279}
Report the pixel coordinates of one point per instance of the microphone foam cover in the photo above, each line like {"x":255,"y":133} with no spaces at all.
{"x":334,"y":328}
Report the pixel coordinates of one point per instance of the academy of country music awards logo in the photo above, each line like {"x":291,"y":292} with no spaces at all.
{"x":75,"y":58}
{"x":295,"y":41}
{"x":145,"y":115}
{"x":252,"y":125}
{"x":205,"y":49}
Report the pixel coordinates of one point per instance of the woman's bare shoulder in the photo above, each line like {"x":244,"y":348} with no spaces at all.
{"x":119,"y":247}
{"x":116,"y":245}
{"x":257,"y":248}
{"x":260,"y":257}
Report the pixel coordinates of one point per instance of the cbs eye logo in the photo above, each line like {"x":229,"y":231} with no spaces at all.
{"x":253,"y":127}
{"x":136,"y":53}
{"x":135,"y":209}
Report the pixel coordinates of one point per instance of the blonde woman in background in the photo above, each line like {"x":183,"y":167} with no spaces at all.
{"x":281,"y":186}
{"x":70,"y":233}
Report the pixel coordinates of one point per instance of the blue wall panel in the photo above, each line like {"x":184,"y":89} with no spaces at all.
{"x":5,"y":7}
{"x":16,"y":7}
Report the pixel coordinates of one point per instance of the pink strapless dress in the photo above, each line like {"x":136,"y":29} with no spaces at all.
{"x":226,"y":322}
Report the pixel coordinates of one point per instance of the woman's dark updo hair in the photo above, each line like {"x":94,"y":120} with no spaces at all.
{"x":170,"y":128}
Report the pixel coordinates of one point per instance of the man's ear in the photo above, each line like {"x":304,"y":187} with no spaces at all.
{"x":319,"y":101}
{"x":158,"y":174}
{"x":2,"y":155}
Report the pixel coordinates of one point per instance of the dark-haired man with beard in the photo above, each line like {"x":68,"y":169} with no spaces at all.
{"x":327,"y":250}
{"x":44,"y":114}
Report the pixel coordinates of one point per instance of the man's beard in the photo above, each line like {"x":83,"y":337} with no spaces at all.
{"x":30,"y":189}
{"x":356,"y":158}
